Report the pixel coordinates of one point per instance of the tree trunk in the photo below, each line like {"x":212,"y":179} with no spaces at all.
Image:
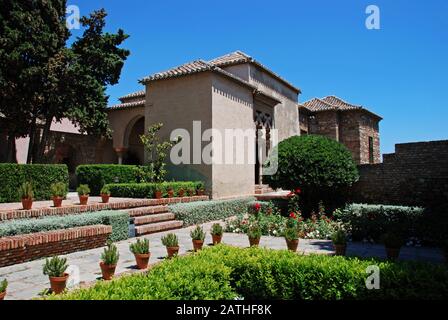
{"x":31,"y":145}
{"x":43,"y":141}
{"x":10,"y":154}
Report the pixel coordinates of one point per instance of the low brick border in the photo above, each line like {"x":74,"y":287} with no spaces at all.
{"x":28,"y":247}
{"x":75,"y":209}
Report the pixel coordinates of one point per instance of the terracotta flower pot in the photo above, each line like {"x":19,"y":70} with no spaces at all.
{"x":254,"y":241}
{"x":292,"y":244}
{"x":197,"y":244}
{"x":201,"y":192}
{"x":2,"y":295}
{"x":57,"y":202}
{"x":58,"y":284}
{"x":27,"y":203}
{"x":170,"y":193}
{"x":216,"y":239}
{"x":181,"y":193}
{"x":108,"y":270}
{"x":392,"y":253}
{"x":105,"y":197}
{"x":158,"y":194}
{"x":172,"y":251}
{"x":83,"y":200}
{"x":340,"y":249}
{"x":142,"y":260}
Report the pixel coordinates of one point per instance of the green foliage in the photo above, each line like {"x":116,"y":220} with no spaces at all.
{"x":197,"y":233}
{"x":146,"y":190}
{"x":98,"y":175}
{"x":59,"y":189}
{"x":3,"y":285}
{"x":392,"y":240}
{"x":224,"y":272}
{"x":291,"y":233}
{"x":42,"y":176}
{"x":26,"y":191}
{"x":140,"y":247}
{"x":55,"y":266}
{"x":371,"y":221}
{"x":105,"y":190}
{"x":254,"y":231}
{"x":339,"y":237}
{"x":217,"y":229}
{"x":170,"y":240}
{"x":321,"y":167}
{"x":110,"y":254}
{"x":117,"y":219}
{"x":83,"y":190}
{"x":203,"y":211}
{"x":253,"y":207}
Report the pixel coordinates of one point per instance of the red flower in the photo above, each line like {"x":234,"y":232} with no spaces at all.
{"x":257,"y":207}
{"x":291,"y":194}
{"x":292,"y":215}
{"x":298,"y":191}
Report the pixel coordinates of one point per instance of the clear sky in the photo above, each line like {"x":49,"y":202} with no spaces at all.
{"x":322,"y":46}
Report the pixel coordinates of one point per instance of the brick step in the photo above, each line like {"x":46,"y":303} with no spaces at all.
{"x":157,"y":227}
{"x":143,"y":211}
{"x":153,"y":218}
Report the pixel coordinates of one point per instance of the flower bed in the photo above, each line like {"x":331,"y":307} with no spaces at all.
{"x":224,"y":272}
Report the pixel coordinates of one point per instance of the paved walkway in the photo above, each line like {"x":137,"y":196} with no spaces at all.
{"x":27,"y":281}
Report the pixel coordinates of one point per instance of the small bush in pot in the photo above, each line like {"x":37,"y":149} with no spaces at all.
{"x":26,"y":194}
{"x":292,"y":238}
{"x":180,"y":192}
{"x":109,"y":260}
{"x":158,"y":192}
{"x":197,"y":236}
{"x":254,"y":234}
{"x":55,"y":268}
{"x":170,"y":192}
{"x":105,"y":194}
{"x":200,"y":189}
{"x":393,"y":243}
{"x":83,"y":192}
{"x":3,"y":287}
{"x":140,"y":249}
{"x":191,"y":192}
{"x":216,"y":232}
{"x":171,"y":242}
{"x":339,"y":239}
{"x":59,"y":192}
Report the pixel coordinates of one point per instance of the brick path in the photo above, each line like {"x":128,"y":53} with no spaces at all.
{"x":27,"y":281}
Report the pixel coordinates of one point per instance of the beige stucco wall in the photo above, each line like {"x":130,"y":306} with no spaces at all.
{"x":121,"y":121}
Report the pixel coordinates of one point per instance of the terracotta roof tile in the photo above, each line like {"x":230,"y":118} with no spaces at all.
{"x":136,"y":94}
{"x":187,"y":68}
{"x":139,"y":103}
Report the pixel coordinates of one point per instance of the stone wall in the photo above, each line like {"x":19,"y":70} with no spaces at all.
{"x":416,"y":174}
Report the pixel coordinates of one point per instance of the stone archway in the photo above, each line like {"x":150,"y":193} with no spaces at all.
{"x":134,"y":148}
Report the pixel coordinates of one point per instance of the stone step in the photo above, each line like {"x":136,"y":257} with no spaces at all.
{"x":143,"y":211}
{"x":153,"y":218}
{"x":158,"y":227}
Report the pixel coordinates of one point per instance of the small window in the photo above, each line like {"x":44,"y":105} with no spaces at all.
{"x":371,"y":160}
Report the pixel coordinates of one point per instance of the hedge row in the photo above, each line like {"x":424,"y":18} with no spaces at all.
{"x":224,"y":272}
{"x":199,"y":212}
{"x":97,"y":175}
{"x":146,"y":190}
{"x":117,"y":219}
{"x":371,"y":221}
{"x":42,"y":176}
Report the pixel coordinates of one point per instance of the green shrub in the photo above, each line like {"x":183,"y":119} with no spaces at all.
{"x":140,"y":247}
{"x":170,"y":240}
{"x":203,"y":211}
{"x":117,"y":219}
{"x":321,"y":167}
{"x":59,"y":189}
{"x":224,"y":272}
{"x":339,"y":237}
{"x":197,"y":233}
{"x":26,"y":191}
{"x":105,"y":190}
{"x":83,"y":190}
{"x":42,"y":176}
{"x":146,"y":190}
{"x":55,"y":267}
{"x":217,"y":229}
{"x":110,"y":254}
{"x":254,"y":231}
{"x":97,"y":175}
{"x":291,"y":233}
{"x":371,"y":221}
{"x":3,"y":285}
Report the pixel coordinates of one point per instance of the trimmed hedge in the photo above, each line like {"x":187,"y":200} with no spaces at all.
{"x":371,"y":221}
{"x":42,"y":176}
{"x":203,"y":211}
{"x":117,"y":219}
{"x":97,"y":175}
{"x":224,"y":272}
{"x":146,"y":190}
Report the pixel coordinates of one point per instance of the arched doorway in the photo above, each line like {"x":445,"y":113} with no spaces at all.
{"x":135,"y":151}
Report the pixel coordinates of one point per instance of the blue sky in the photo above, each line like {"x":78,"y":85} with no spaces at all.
{"x":322,"y":46}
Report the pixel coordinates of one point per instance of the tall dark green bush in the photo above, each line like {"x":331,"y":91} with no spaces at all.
{"x":42,"y":176}
{"x":321,"y":167}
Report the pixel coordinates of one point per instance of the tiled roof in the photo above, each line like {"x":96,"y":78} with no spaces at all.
{"x":341,"y":104}
{"x":187,"y":68}
{"x":137,"y":94}
{"x":139,"y":103}
{"x":317,"y":104}
{"x":332,"y":103}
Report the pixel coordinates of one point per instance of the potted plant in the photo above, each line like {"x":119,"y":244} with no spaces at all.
{"x":26,"y":194}
{"x":292,"y":238}
{"x":109,"y":259}
{"x":3,"y":287}
{"x":190,"y":192}
{"x":55,"y":268}
{"x":339,"y":238}
{"x":105,"y":194}
{"x":197,"y":236}
{"x":216,"y":232}
{"x":140,"y":249}
{"x":170,"y":192}
{"x":254,"y":234}
{"x":58,"y":191}
{"x":393,"y":244}
{"x":158,"y":192}
{"x":83,"y":193}
{"x":200,"y":189}
{"x":171,"y":242}
{"x":180,"y":192}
